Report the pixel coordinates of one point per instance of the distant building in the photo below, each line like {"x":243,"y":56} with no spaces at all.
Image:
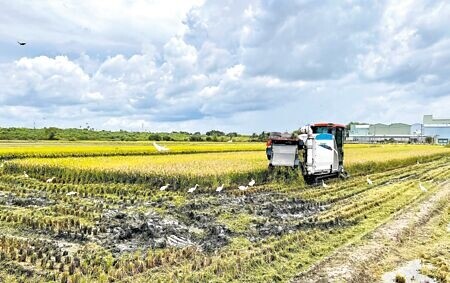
{"x":396,"y":129}
{"x":359,"y":130}
{"x":380,"y":132}
{"x":438,"y":129}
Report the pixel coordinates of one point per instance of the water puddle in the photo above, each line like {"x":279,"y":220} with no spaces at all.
{"x":410,"y":271}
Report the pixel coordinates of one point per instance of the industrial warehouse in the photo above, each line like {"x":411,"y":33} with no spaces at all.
{"x":430,"y":130}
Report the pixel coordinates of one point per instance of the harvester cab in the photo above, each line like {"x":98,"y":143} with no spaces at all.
{"x":317,"y":151}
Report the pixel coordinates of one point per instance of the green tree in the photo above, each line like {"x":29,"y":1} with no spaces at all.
{"x":154,"y":137}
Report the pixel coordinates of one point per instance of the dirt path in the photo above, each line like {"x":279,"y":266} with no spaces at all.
{"x":348,"y":263}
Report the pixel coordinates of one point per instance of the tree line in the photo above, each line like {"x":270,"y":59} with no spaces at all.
{"x":89,"y":134}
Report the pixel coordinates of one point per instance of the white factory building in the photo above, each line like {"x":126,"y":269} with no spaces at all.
{"x":438,"y":129}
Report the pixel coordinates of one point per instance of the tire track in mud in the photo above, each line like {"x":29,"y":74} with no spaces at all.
{"x":347,"y":263}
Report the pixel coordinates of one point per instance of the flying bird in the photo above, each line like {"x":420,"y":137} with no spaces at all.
{"x":21,"y":43}
{"x":50,"y":180}
{"x":165,"y":187}
{"x":220,"y":188}
{"x":324,"y":185}
{"x":160,"y":148}
{"x":191,"y":190}
{"x":252,"y":183}
{"x":25,"y":174}
{"x":369,"y":181}
{"x":243,"y":188}
{"x":422,"y":188}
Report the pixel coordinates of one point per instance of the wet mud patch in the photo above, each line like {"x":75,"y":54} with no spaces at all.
{"x":269,"y":213}
{"x":122,"y":232}
{"x":10,"y":199}
{"x":410,"y":272}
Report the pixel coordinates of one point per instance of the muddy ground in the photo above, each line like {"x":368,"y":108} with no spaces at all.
{"x":196,"y":222}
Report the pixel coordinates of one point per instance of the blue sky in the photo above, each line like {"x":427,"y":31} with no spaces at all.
{"x":243,"y":66}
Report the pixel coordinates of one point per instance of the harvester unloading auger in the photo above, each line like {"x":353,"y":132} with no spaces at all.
{"x":317,"y":151}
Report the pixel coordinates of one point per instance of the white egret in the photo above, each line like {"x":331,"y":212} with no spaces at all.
{"x":422,"y":187}
{"x":252,"y":183}
{"x":50,"y":180}
{"x":191,"y":190}
{"x":160,"y":148}
{"x":369,"y":181}
{"x":165,"y":187}
{"x":220,"y":188}
{"x":324,"y":185}
{"x":25,"y":174}
{"x":243,"y":188}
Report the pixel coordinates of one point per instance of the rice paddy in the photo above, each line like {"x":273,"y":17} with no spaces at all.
{"x":104,"y":219}
{"x":19,"y":149}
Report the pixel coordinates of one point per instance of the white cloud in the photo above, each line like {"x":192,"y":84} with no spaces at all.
{"x":243,"y":65}
{"x":42,"y":81}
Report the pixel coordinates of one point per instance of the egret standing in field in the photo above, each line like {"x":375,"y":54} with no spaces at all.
{"x":191,"y":190}
{"x":422,"y":187}
{"x":165,"y":187}
{"x":324,"y":185}
{"x":50,"y":180}
{"x":160,"y":148}
{"x":243,"y":188}
{"x":369,"y":181}
{"x":25,"y":174}
{"x":220,"y":188}
{"x":252,"y":183}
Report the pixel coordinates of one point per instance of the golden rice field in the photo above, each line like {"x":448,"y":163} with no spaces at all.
{"x":103,"y":218}
{"x":220,"y":164}
{"x":360,"y":153}
{"x":201,"y":164}
{"x":93,"y":148}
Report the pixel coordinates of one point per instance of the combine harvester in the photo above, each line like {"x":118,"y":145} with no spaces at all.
{"x":318,"y":151}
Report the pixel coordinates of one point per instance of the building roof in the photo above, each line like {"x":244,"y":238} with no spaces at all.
{"x":428,"y":119}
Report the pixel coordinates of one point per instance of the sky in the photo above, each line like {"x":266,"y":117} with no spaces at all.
{"x":244,"y":66}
